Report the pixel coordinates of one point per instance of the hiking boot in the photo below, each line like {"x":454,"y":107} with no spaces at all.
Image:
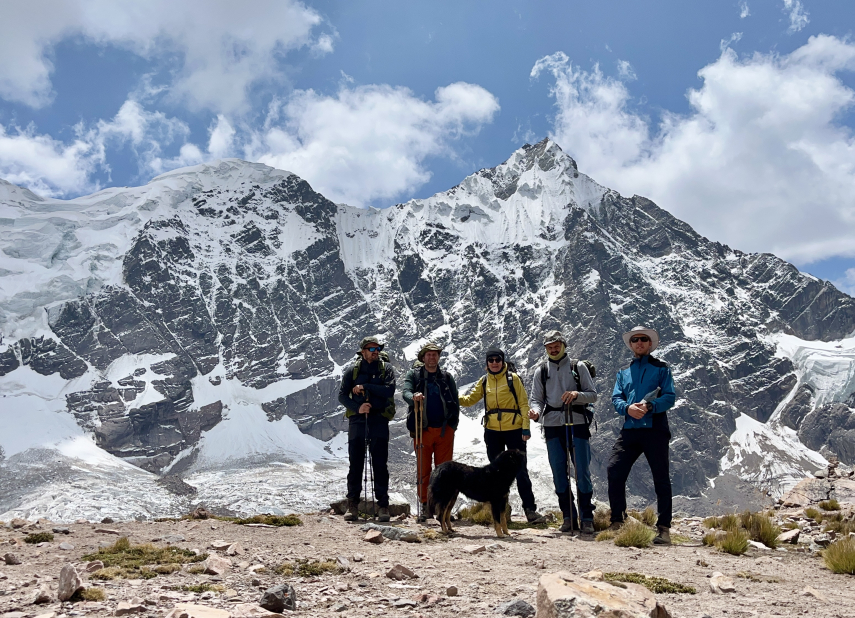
{"x":588,"y":528}
{"x":424,"y":513}
{"x":567,"y":525}
{"x":352,"y":511}
{"x":616,"y":525}
{"x":664,"y":536}
{"x":383,"y":514}
{"x":533,"y":517}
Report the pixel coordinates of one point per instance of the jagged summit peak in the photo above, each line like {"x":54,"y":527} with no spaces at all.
{"x":226,"y":169}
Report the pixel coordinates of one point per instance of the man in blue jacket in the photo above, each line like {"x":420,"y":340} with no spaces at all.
{"x":645,"y":427}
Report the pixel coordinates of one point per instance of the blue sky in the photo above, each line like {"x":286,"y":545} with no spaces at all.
{"x":735,"y":116}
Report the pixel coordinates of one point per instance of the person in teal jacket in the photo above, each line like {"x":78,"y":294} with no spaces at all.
{"x":643,"y":392}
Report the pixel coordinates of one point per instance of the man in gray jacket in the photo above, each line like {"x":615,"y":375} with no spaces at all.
{"x":560,"y":383}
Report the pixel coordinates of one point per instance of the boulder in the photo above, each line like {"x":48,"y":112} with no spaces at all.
{"x":11,"y":559}
{"x":393,"y":533}
{"x":474,"y":549}
{"x":18,"y":523}
{"x":189,"y":610}
{"x":234,"y":549}
{"x":216,"y":565}
{"x":719,"y":584}
{"x":95,"y":565}
{"x":516,"y":607}
{"x":69,"y":582}
{"x":41,"y":596}
{"x":564,"y":595}
{"x":396,"y":509}
{"x":789,"y":536}
{"x":451,"y":591}
{"x":279,"y":598}
{"x":248,"y":610}
{"x":220,"y":545}
{"x":400,"y":572}
{"x":808,"y":491}
{"x":373,"y":536}
{"x":66,"y":546}
{"x":124,"y":608}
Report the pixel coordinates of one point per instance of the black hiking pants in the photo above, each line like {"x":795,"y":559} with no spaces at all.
{"x":629,"y":446}
{"x":497,"y":442}
{"x":377,"y":430}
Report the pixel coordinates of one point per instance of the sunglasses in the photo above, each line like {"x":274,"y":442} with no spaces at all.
{"x":494,"y":359}
{"x":373,"y":349}
{"x":637,"y":339}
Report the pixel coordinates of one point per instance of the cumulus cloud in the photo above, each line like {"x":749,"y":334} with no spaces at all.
{"x":744,"y":11}
{"x":369,"y":142}
{"x":761,"y":161}
{"x":847,"y":282}
{"x":798,"y":15}
{"x":222,"y":47}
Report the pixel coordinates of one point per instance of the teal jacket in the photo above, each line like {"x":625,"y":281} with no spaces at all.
{"x":634,"y":382}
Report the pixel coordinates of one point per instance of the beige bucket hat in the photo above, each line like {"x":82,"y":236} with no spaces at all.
{"x":640,"y":330}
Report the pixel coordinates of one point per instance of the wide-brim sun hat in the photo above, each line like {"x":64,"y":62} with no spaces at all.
{"x":640,"y":330}
{"x":367,"y":341}
{"x":428,"y":347}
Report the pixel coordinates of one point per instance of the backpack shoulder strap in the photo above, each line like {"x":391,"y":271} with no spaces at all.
{"x":356,"y":367}
{"x":510,"y":377}
{"x":574,"y":367}
{"x":544,"y":374}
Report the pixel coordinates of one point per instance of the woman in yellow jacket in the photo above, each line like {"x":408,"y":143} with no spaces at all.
{"x":506,"y":423}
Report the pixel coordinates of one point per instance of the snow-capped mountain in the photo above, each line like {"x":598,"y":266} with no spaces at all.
{"x":197,"y":327}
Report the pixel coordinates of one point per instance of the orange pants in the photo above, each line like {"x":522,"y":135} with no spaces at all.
{"x":440,"y":449}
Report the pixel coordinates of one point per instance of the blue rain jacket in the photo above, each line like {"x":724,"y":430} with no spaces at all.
{"x":641,"y":377}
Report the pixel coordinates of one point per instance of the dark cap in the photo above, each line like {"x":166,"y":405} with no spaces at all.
{"x":495,"y":351}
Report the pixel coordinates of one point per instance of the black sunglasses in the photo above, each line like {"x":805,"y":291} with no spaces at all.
{"x":494,"y":359}
{"x":644,"y":339}
{"x":373,"y":349}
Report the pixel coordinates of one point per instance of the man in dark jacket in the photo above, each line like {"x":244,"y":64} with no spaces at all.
{"x":367,"y":393}
{"x":436,"y":389}
{"x":645,"y":428}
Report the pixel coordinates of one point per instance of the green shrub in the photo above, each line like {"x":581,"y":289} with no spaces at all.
{"x":38,"y":537}
{"x":729,"y":522}
{"x":839,"y":557}
{"x":829,"y":505}
{"x":602,"y":518}
{"x":735,"y":543}
{"x":270,"y":520}
{"x":709,"y":539}
{"x":843,"y":528}
{"x":89,"y":594}
{"x":811,"y":512}
{"x":634,"y":534}
{"x":657,"y":585}
{"x":204,"y":587}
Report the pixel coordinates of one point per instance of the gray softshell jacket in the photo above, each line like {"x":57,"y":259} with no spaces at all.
{"x":560,"y":379}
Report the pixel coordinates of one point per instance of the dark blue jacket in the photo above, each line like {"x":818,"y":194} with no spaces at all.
{"x":641,"y":377}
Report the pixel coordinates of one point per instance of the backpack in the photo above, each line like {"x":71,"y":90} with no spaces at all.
{"x":592,"y":370}
{"x":389,"y":411}
{"x":509,"y":374}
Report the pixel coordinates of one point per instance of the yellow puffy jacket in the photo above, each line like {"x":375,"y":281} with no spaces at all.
{"x":499,"y":396}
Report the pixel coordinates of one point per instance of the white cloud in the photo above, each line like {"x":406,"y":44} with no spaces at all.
{"x":221,"y":47}
{"x":221,"y":142}
{"x":368,"y":143}
{"x":45,"y":165}
{"x":734,"y":38}
{"x":744,"y":11}
{"x":761,"y":162}
{"x":847,"y":282}
{"x":798,"y":15}
{"x":626,"y":71}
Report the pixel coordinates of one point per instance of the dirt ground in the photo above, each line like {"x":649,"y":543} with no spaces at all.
{"x":503,"y":570}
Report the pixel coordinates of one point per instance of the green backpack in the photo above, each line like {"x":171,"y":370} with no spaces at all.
{"x":389,"y":411}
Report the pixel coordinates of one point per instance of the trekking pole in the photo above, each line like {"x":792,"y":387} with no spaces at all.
{"x":370,"y":471}
{"x":419,"y":436}
{"x":571,"y":454}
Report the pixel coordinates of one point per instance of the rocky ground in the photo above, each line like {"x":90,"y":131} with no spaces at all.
{"x":472,"y":572}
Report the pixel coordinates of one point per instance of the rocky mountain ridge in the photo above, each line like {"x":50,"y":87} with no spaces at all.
{"x":200,"y":323}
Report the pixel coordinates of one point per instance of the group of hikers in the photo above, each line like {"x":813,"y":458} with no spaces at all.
{"x":562,"y":392}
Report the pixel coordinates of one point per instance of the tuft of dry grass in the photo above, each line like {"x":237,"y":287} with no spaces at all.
{"x":125,"y":561}
{"x":843,"y":528}
{"x":761,"y":528}
{"x":829,"y":505}
{"x":480,"y":513}
{"x":270,"y":520}
{"x":711,"y":522}
{"x":709,"y":539}
{"x":811,"y":513}
{"x":204,"y":587}
{"x":755,"y":577}
{"x":839,"y":557}
{"x":196,"y":570}
{"x":729,"y":522}
{"x":633,"y":533}
{"x":308,"y":568}
{"x":602,"y":518}
{"x":735,"y":543}
{"x":656,"y":585}
{"x":606,"y":535}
